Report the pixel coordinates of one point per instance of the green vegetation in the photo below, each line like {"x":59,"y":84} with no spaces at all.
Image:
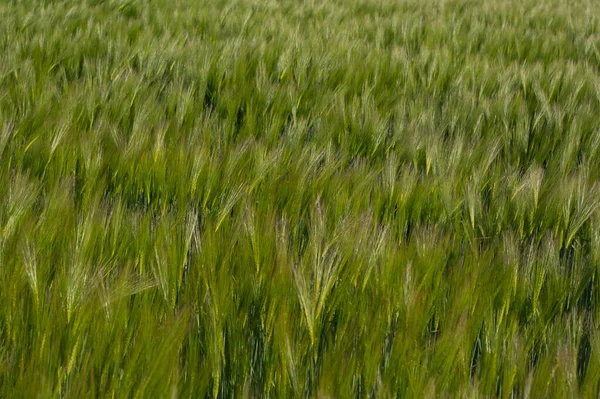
{"x":261,"y":198}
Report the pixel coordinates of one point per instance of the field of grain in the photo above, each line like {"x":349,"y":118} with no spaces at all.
{"x":287,"y":198}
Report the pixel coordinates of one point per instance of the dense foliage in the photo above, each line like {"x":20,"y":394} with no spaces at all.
{"x":264,"y":198}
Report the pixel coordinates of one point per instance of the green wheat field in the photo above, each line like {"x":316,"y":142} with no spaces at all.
{"x":299,"y":199}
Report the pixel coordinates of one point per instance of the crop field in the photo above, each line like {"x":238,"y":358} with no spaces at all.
{"x":287,"y":198}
